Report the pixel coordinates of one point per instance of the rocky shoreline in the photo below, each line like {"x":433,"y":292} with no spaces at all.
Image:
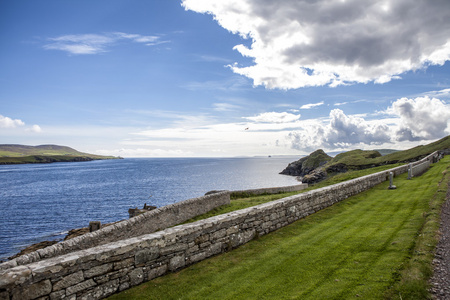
{"x":41,"y":245}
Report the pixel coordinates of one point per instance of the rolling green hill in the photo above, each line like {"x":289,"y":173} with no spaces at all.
{"x":359,"y":159}
{"x":22,"y":154}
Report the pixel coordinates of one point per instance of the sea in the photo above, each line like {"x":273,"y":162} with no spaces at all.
{"x":44,"y":201}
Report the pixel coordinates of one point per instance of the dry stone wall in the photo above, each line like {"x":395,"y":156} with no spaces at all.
{"x":421,"y":168}
{"x":100,"y":271}
{"x":148,"y":222}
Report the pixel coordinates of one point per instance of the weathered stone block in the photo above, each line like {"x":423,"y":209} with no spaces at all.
{"x":156,"y":272}
{"x":33,"y":291}
{"x":15,"y":276}
{"x":80,"y":286}
{"x":120,"y":273}
{"x":197,"y":257}
{"x":124,"y":286}
{"x":99,"y":270}
{"x":232,"y":230}
{"x":204,"y":245}
{"x":177,"y":262}
{"x":136,"y":276}
{"x":69,"y":280}
{"x":201,"y":239}
{"x":174,"y":248}
{"x":128,"y":262}
{"x":102,"y":291}
{"x":215,"y":248}
{"x":192,"y":249}
{"x":58,"y":295}
{"x":146,"y":255}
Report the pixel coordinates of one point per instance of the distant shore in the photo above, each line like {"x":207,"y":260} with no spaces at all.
{"x":42,"y":159}
{"x":44,"y":154}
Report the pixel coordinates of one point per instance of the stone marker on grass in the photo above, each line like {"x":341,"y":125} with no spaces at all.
{"x":391,"y":179}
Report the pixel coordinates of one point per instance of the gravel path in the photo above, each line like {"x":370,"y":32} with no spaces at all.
{"x":441,"y":279}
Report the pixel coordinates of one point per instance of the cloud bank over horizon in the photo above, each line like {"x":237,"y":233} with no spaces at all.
{"x":298,"y":44}
{"x":400,"y":126}
{"x":419,"y":119}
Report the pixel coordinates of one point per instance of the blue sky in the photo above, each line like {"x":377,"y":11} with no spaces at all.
{"x":224,"y":78}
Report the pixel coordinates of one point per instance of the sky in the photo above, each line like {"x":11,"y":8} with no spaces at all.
{"x":212,"y":78}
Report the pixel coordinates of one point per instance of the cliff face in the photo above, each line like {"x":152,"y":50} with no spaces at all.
{"x":307,"y":164}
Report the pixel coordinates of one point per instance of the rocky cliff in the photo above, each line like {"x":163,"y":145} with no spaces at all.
{"x":307,"y":164}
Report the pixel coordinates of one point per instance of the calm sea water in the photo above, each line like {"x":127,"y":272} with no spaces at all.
{"x":43,"y":201}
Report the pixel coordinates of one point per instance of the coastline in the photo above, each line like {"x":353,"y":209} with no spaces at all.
{"x":73,"y":233}
{"x":42,"y":159}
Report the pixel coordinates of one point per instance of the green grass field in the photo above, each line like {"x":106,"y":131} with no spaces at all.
{"x":378,"y":244}
{"x":22,"y":154}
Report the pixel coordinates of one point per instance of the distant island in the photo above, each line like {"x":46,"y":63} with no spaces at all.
{"x":22,"y":154}
{"x":318,"y":165}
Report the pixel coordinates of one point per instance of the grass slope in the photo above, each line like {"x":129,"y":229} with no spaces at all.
{"x":357,"y":159}
{"x":16,"y":154}
{"x":373,"y":245}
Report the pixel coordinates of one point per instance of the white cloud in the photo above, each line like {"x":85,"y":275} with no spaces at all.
{"x":441,"y":94}
{"x":341,"y":131}
{"x":35,"y":128}
{"x":16,"y":127}
{"x":421,"y":118}
{"x":143,"y":152}
{"x":96,"y":43}
{"x":332,"y":42}
{"x":6,"y":122}
{"x":311,"y":105}
{"x":225,"y":139}
{"x":274,"y":117}
{"x":225,"y":107}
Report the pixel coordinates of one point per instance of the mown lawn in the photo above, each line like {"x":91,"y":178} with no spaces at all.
{"x":375,"y":245}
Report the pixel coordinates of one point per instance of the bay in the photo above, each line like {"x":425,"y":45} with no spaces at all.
{"x":43,"y":201}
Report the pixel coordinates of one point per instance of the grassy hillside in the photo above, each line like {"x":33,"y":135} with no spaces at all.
{"x":22,"y":154}
{"x":358,"y":159}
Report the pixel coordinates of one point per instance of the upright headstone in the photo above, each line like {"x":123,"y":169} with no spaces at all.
{"x":391,"y":181}
{"x":410,"y":175}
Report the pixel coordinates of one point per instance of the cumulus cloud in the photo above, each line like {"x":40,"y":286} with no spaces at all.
{"x":340,"y":132}
{"x":421,"y":118}
{"x":9,"y":123}
{"x":35,"y":128}
{"x":333,"y":42}
{"x":97,"y":43}
{"x":311,"y":105}
{"x":6,"y":122}
{"x":274,"y":117}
